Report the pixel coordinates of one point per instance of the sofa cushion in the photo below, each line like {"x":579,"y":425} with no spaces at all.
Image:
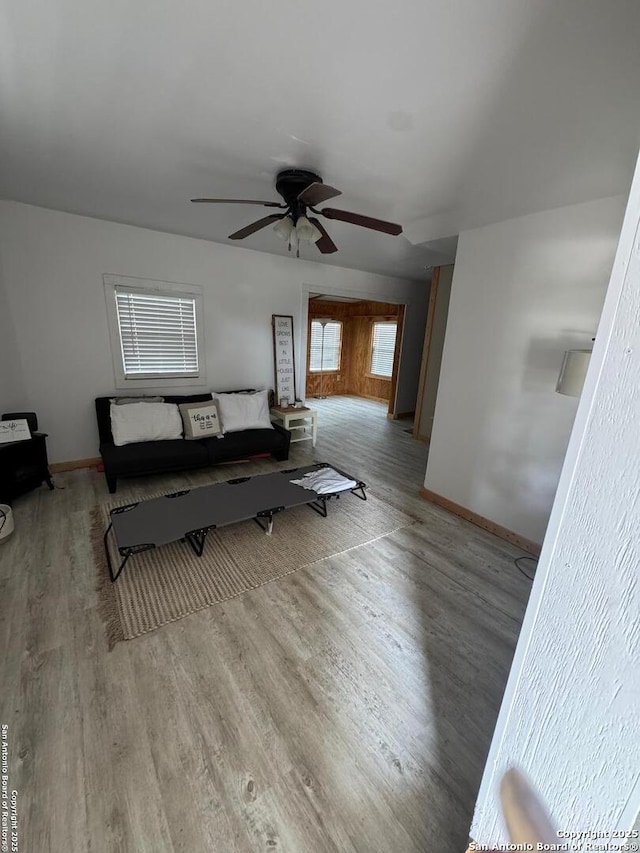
{"x":147,"y":457}
{"x":241,"y":445}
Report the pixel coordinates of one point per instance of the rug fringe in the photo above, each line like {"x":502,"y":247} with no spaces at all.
{"x":107,"y":604}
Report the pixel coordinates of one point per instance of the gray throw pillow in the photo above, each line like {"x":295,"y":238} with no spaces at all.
{"x":125,"y":401}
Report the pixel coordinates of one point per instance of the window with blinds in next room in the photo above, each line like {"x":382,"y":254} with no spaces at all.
{"x":326,"y":345}
{"x":383,"y":345}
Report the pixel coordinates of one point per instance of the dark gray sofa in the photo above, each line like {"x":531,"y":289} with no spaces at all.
{"x":157,"y":457}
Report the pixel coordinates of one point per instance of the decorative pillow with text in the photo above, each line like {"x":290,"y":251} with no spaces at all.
{"x":200,"y":420}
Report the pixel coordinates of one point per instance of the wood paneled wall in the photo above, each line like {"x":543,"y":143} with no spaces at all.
{"x":357,"y":319}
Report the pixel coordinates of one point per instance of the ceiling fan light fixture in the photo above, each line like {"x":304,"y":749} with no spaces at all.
{"x":306,"y":231}
{"x":284,"y":228}
{"x":316,"y":234}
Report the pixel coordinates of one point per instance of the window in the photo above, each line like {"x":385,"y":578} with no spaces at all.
{"x":383,"y":345}
{"x":156,"y":332}
{"x":325,"y":354}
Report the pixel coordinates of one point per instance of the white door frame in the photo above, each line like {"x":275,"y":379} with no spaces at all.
{"x":305,"y":292}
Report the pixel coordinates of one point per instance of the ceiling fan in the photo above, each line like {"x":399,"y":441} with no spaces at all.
{"x":302,"y":191}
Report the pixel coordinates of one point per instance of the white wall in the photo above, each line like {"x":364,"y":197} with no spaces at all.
{"x":53,"y":265}
{"x":570,"y":717}
{"x":11,"y":396}
{"x":523,"y":291}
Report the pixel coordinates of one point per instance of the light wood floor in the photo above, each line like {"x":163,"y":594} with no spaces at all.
{"x":347,"y":707}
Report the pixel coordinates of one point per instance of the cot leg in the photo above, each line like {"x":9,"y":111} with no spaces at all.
{"x":268,"y":526}
{"x":319,"y":506}
{"x":114,"y":577}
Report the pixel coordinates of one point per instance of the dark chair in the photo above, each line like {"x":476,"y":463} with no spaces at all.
{"x":30,"y":417}
{"x":23,"y":464}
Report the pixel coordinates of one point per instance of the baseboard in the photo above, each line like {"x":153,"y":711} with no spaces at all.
{"x":72,"y":464}
{"x":423,"y":438}
{"x":369,"y":397}
{"x":400,"y":417}
{"x":480,"y":521}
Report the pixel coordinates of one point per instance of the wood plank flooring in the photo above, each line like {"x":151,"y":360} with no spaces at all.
{"x":347,"y":707}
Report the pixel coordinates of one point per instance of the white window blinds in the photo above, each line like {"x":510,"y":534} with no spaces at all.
{"x":383,"y":348}
{"x":157,"y":334}
{"x":325,"y":356}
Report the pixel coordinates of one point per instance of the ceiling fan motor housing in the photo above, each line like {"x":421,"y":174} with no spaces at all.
{"x":290,"y":183}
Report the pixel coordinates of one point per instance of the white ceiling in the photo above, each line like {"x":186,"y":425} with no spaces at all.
{"x":439,"y":114}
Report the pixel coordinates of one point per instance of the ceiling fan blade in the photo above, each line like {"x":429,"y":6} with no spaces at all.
{"x":317,"y":193}
{"x":235,"y":201}
{"x":256,"y":226}
{"x":364,"y":221}
{"x":325,"y":243}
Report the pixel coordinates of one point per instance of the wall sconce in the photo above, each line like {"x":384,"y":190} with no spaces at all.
{"x":573,"y":372}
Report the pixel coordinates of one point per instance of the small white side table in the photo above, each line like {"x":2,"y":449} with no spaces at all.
{"x":301,"y":423}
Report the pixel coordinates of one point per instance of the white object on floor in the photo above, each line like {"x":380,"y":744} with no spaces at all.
{"x":325,"y":481}
{"x":6,"y":522}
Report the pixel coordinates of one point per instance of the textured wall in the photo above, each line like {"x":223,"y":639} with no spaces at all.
{"x":571,"y":712}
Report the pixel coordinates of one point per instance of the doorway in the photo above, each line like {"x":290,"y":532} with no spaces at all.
{"x":437,"y":313}
{"x":353,"y":348}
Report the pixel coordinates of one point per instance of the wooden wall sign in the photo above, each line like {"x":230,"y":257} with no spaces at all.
{"x":285,"y":365}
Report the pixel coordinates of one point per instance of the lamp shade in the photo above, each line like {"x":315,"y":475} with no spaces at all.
{"x":284,"y":227}
{"x":573,"y":372}
{"x":306,"y":231}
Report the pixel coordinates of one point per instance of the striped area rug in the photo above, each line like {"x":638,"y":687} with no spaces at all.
{"x":171,"y":582}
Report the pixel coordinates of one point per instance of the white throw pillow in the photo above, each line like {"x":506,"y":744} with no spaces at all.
{"x":244,"y":411}
{"x":145,"y":422}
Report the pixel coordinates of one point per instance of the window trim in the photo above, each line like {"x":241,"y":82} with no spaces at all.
{"x":144,"y":285}
{"x":333,"y":371}
{"x":380,"y":321}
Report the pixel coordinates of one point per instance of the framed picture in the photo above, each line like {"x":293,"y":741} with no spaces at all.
{"x":284,"y":358}
{"x":16,"y":430}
